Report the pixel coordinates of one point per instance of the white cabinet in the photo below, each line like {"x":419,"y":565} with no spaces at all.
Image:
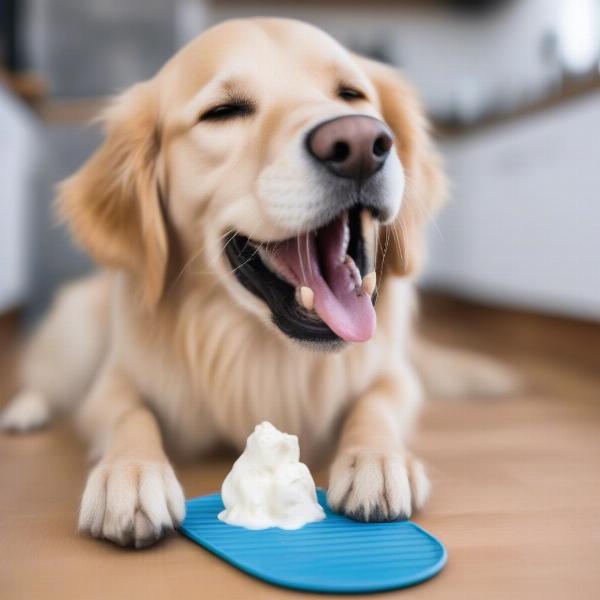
{"x":523,"y":224}
{"x":19,"y":152}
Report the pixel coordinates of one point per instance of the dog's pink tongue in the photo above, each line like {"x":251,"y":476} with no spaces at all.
{"x":339,"y":302}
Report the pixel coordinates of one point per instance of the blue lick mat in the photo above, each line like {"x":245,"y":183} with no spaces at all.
{"x":336,"y":555}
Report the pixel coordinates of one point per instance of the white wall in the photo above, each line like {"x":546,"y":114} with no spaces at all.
{"x":523,"y":226}
{"x":468,"y":65}
{"x":19,"y":146}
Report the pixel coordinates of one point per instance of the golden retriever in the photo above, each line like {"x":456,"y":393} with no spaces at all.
{"x":250,"y":205}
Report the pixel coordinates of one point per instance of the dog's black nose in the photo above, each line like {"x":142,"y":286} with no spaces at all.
{"x":353,"y":146}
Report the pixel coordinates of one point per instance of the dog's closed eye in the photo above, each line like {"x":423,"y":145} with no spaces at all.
{"x":230,"y":110}
{"x":349,"y":93}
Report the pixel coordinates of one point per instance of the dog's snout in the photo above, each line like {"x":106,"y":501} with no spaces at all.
{"x":353,"y":146}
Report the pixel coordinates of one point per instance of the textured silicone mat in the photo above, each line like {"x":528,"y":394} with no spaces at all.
{"x":336,"y":555}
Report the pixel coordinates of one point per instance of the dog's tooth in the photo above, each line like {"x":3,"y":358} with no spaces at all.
{"x":369,"y":235}
{"x":369,"y":282}
{"x":307,"y":297}
{"x":354,"y":272}
{"x":346,"y":240}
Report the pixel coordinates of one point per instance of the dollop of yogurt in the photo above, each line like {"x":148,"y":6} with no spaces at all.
{"x":268,"y":486}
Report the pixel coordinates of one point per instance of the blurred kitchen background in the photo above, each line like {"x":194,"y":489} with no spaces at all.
{"x":512,"y":86}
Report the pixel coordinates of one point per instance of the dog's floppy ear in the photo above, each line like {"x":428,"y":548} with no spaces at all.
{"x":113,"y":202}
{"x":425,"y":187}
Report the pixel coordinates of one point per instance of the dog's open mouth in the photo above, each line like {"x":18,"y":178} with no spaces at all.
{"x":319,"y":285}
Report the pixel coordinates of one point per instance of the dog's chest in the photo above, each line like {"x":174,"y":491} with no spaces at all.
{"x":228,"y":384}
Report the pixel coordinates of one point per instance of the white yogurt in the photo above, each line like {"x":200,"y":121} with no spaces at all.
{"x":268,"y":486}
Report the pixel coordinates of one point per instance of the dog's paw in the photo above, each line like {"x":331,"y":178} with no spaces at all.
{"x":28,"y":410}
{"x":369,"y":485}
{"x":131,"y":503}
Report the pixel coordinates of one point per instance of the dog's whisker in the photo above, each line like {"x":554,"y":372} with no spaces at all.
{"x":301,"y":259}
{"x":231,"y":232}
{"x":385,"y":248}
{"x":256,"y":250}
{"x":192,"y":259}
{"x":249,"y":258}
{"x":375,"y":233}
{"x":401,"y":246}
{"x":397,"y":239}
{"x":308,"y":256}
{"x":379,"y":252}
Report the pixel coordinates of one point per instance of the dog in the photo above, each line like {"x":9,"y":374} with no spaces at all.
{"x":258,"y":212}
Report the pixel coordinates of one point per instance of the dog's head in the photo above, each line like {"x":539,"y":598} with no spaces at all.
{"x":268,"y":160}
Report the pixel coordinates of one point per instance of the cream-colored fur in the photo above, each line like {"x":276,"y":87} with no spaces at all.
{"x":170,"y":349}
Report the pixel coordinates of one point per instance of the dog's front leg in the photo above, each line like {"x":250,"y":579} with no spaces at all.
{"x":132,"y":496}
{"x":373,"y":477}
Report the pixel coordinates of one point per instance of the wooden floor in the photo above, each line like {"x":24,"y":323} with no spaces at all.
{"x":516,"y":495}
